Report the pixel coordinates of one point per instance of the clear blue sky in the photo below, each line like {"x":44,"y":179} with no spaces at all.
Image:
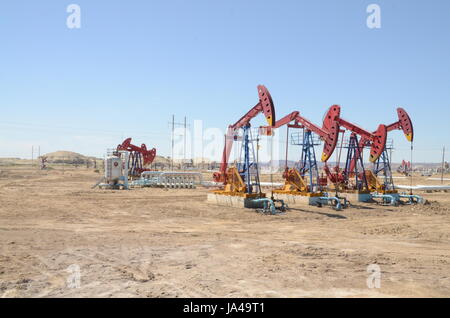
{"x":133,"y":64}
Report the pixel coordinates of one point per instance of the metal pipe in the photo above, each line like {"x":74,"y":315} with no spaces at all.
{"x":338,"y":206}
{"x":169,"y":179}
{"x":268,"y":204}
{"x":173,"y":173}
{"x":413,"y":198}
{"x":391,"y":198}
{"x":424,"y":187}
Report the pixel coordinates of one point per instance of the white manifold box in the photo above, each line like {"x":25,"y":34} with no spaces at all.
{"x":113,"y":169}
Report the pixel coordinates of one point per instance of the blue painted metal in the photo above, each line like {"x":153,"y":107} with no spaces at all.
{"x":269,"y":205}
{"x":135,"y":163}
{"x":355,"y":151}
{"x":413,"y":199}
{"x":383,"y":166}
{"x":336,"y":202}
{"x":308,"y":162}
{"x":387,"y":198}
{"x":248,"y":167}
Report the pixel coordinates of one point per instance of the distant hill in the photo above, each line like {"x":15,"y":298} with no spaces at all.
{"x":162,"y":160}
{"x":69,"y":157}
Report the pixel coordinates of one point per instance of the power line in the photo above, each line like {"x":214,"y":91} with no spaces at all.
{"x":173,"y":124}
{"x":442,"y":167}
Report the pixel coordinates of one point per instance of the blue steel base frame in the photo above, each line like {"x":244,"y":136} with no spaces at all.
{"x":308,"y":163}
{"x":248,"y":166}
{"x":352,"y":152}
{"x":383,"y":166}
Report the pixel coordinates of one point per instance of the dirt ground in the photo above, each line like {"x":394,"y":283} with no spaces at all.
{"x":60,"y":238}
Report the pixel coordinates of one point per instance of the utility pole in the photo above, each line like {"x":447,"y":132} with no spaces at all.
{"x":184,"y":148}
{"x":173,"y":124}
{"x":390,"y":153}
{"x":32,"y":155}
{"x":287,"y":148}
{"x":173,"y":139}
{"x":442,"y":166}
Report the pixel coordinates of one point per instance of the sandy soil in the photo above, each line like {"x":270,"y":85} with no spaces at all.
{"x":171,"y":243}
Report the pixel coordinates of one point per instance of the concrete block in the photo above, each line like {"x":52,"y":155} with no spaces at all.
{"x":357,"y":196}
{"x":292,"y":199}
{"x":233,"y":201}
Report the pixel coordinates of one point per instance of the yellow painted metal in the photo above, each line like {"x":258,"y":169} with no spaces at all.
{"x":324,"y":157}
{"x":375,"y":185}
{"x":234,"y":182}
{"x":372,"y":181}
{"x":235,"y":186}
{"x":295,"y":184}
{"x":409,"y":137}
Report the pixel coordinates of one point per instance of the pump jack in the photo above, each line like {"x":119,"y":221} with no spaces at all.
{"x":377,"y":139}
{"x":138,"y":158}
{"x":405,"y":168}
{"x":237,"y":180}
{"x":295,"y":182}
{"x":383,"y":164}
{"x":304,"y":180}
{"x":384,"y":189}
{"x":377,"y":143}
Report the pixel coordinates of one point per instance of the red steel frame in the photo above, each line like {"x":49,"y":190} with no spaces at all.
{"x":329,"y":135}
{"x":377,"y":139}
{"x":265,"y":106}
{"x":404,"y":123}
{"x":147,"y":155}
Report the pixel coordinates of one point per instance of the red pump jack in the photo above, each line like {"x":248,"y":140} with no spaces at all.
{"x":139,"y":157}
{"x":265,"y":105}
{"x":378,"y":154}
